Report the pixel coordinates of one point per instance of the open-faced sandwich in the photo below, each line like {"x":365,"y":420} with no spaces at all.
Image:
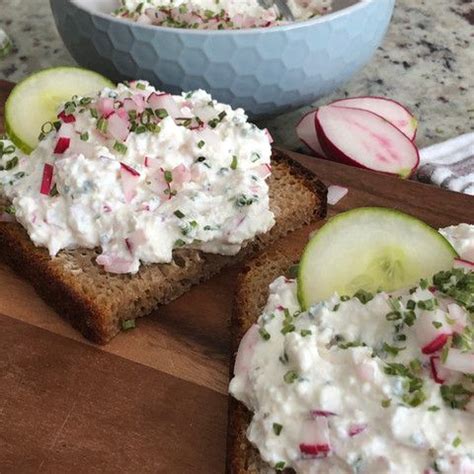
{"x":133,"y":195}
{"x":361,"y":359}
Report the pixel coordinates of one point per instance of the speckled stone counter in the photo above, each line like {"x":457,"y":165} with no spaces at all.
{"x":426,"y":62}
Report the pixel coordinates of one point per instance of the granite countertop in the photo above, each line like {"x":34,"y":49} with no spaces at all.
{"x":426,"y":62}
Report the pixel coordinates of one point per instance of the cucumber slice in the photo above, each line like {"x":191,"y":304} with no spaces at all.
{"x":35,"y":100}
{"x":370,"y":248}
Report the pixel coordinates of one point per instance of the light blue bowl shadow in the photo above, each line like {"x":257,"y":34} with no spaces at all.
{"x":266,"y":71}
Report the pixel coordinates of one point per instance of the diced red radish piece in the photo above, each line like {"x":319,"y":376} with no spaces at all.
{"x":209,"y":137}
{"x":268,"y":134}
{"x":140,"y":102}
{"x":135,"y":239}
{"x":130,"y":105}
{"x":325,"y":413}
{"x":438,"y":373}
{"x":67,"y":130}
{"x":181,"y":175}
{"x":118,"y":127}
{"x":366,"y":140}
{"x":114,"y":264}
{"x":430,"y":337}
{"x":66,"y":118}
{"x":129,"y":169}
{"x":436,"y":344}
{"x":465,"y":264}
{"x":62,"y":145}
{"x":246,"y":350}
{"x":105,"y":106}
{"x":389,"y":109}
{"x":459,"y":361}
{"x":315,"y":437}
{"x":6,"y":217}
{"x":459,"y":316}
{"x":306,"y":131}
{"x":335,"y":194}
{"x":47,"y":181}
{"x":164,"y":101}
{"x":264,"y":171}
{"x":357,"y":428}
{"x":130,"y":178}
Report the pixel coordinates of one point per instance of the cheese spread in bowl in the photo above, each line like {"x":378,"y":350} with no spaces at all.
{"x":371,"y":383}
{"x":216,"y":14}
{"x":138,"y":173}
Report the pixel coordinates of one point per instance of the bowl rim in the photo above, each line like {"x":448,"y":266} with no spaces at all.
{"x":361,"y":4}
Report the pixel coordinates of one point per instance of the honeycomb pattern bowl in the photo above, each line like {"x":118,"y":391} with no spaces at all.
{"x":264,"y":70}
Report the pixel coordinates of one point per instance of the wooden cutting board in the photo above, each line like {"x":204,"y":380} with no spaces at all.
{"x":154,"y":399}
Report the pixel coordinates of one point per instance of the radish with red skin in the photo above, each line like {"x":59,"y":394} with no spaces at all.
{"x":432,"y":331}
{"x":268,"y":134}
{"x":325,"y":413}
{"x":129,"y":178}
{"x":438,"y":373}
{"x":118,"y":127}
{"x":315,"y":437}
{"x":306,"y":131}
{"x":357,"y":429}
{"x":105,"y":106}
{"x":246,"y":349}
{"x":114,"y":264}
{"x":66,"y":118}
{"x":391,"y":110}
{"x":164,"y":101}
{"x":368,"y":141}
{"x":465,"y":264}
{"x":47,"y":180}
{"x":62,"y":145}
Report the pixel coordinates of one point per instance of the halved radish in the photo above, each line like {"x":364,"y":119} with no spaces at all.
{"x":105,"y":106}
{"x":164,"y":101}
{"x":389,"y":109}
{"x":306,"y":131}
{"x":364,"y":139}
{"x":459,"y":361}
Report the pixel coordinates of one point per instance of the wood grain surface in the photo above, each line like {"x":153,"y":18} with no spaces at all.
{"x":154,"y":399}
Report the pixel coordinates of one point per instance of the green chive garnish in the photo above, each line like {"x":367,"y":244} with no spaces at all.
{"x":277,"y":428}
{"x":128,"y":324}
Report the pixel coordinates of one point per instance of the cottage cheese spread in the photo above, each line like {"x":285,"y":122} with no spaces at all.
{"x":216,"y":14}
{"x":139,"y":173}
{"x":370,"y":384}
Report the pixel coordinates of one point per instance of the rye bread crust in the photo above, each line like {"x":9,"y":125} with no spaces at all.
{"x":96,"y":302}
{"x":250,"y":298}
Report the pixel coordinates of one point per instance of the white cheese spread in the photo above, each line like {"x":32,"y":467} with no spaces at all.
{"x":216,"y":14}
{"x":369,"y":384}
{"x":139,"y":173}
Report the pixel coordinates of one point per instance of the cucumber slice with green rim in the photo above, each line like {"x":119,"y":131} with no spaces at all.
{"x":370,"y":248}
{"x":35,"y":100}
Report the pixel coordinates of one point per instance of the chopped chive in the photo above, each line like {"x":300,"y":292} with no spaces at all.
{"x":128,"y":324}
{"x":93,"y":113}
{"x":290,"y":376}
{"x":161,"y":113}
{"x":411,"y":304}
{"x":279,"y":466}
{"x":364,"y":296}
{"x":288,"y":328}
{"x":457,"y":441}
{"x":201,"y":143}
{"x":345,"y":298}
{"x":102,"y":125}
{"x":168,"y":175}
{"x":277,"y":428}
{"x":84,"y":136}
{"x":179,"y":243}
{"x":120,"y":148}
{"x":305,"y":332}
{"x":391,"y":349}
{"x":393,"y":316}
{"x":140,"y":85}
{"x":386,"y":403}
{"x":264,"y":334}
{"x":179,"y":214}
{"x":233,"y":165}
{"x":433,"y":408}
{"x":437,"y":324}
{"x":336,"y":307}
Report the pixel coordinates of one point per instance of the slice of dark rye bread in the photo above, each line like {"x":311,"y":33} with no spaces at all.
{"x":250,"y":298}
{"x":96,"y":302}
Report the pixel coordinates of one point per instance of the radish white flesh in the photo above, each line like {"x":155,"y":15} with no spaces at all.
{"x":335,"y":194}
{"x":306,"y":131}
{"x":315,"y":437}
{"x":389,"y":109}
{"x":364,"y":139}
{"x":466,"y":264}
{"x":430,"y":337}
{"x":460,"y":361}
